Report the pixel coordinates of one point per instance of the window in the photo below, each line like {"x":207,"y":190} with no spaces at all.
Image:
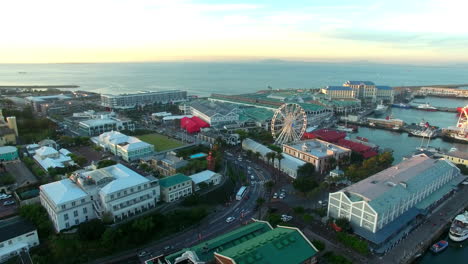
{"x":77,"y":221}
{"x":86,"y":218}
{"x":65,"y":217}
{"x":131,"y":189}
{"x":10,"y":242}
{"x":83,"y":200}
{"x":125,"y":192}
{"x":73,"y":203}
{"x":75,"y":213}
{"x":85,"y":210}
{"x":67,"y":225}
{"x":112,"y":196}
{"x":139,"y":187}
{"x":63,"y":206}
{"x":1,"y":245}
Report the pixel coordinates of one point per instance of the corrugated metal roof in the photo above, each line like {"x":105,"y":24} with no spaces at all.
{"x":167,"y":182}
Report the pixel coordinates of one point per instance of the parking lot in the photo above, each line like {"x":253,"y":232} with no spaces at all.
{"x":7,"y":210}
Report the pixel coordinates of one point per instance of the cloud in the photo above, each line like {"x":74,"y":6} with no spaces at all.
{"x":402,"y":39}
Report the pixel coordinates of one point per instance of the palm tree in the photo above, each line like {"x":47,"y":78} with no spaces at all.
{"x":257,"y":155}
{"x":270,"y":156}
{"x":279,"y":156}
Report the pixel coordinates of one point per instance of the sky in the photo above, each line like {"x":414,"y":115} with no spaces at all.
{"x":413,"y":31}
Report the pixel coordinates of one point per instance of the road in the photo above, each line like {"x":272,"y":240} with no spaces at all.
{"x":213,"y":225}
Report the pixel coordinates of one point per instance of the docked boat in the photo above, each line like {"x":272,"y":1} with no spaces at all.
{"x":402,"y":105}
{"x":439,"y":246}
{"x":380,"y":109}
{"x":429,"y":133}
{"x":312,"y":128}
{"x":459,"y":229}
{"x":344,"y":129}
{"x":426,"y":107}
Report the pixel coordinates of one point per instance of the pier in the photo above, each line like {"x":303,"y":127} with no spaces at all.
{"x":420,"y":239}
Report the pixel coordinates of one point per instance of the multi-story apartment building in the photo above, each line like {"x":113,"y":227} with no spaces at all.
{"x":115,"y":191}
{"x":382,"y":207}
{"x":175,"y":187}
{"x":338,"y":92}
{"x":8,"y":130}
{"x":319,"y":153}
{"x":37,"y":102}
{"x":368,"y":92}
{"x":16,"y":235}
{"x":384,"y":93}
{"x":126,"y":147}
{"x":142,"y":98}
{"x":167,"y":163}
{"x":94,"y":127}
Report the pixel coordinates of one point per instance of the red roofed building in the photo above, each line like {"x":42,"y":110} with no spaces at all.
{"x":328,"y":135}
{"x":365,"y":150}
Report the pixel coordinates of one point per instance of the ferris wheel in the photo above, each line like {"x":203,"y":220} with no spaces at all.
{"x":288,"y":123}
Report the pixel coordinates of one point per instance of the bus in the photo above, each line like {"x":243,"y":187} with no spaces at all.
{"x":240,"y":194}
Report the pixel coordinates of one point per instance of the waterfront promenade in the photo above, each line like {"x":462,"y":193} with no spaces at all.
{"x":420,"y":239}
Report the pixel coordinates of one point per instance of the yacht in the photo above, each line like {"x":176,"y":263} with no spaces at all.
{"x":459,"y":229}
{"x":402,"y":105}
{"x":426,"y":107}
{"x":344,"y":128}
{"x":380,"y":109}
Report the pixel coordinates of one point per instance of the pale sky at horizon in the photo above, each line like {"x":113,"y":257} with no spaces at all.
{"x":156,"y":30}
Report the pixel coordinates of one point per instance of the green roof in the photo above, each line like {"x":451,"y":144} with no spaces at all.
{"x":280,"y":245}
{"x":205,"y":250}
{"x":257,"y":114}
{"x":173,"y":180}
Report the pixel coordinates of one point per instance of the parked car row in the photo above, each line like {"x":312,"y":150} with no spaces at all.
{"x":4,"y":196}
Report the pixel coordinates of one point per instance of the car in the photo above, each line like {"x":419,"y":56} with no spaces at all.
{"x":142,"y":253}
{"x":286,"y":218}
{"x":10,"y":202}
{"x":167,"y":248}
{"x":465,"y":183}
{"x":230,"y":219}
{"x":275,"y":196}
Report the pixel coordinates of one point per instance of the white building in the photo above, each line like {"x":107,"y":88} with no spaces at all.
{"x":114,"y":191}
{"x":105,"y":123}
{"x":16,"y":235}
{"x":127,"y":147}
{"x":175,"y":187}
{"x":48,"y":157}
{"x":208,"y":177}
{"x":288,"y":164}
{"x":214,"y":113}
{"x":382,"y":207}
{"x":143,"y":98}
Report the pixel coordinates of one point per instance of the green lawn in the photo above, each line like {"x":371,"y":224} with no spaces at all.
{"x":160,"y":142}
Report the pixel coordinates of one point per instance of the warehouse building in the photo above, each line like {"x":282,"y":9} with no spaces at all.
{"x":384,"y":207}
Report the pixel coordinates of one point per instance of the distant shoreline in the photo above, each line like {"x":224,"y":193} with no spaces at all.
{"x":36,"y":86}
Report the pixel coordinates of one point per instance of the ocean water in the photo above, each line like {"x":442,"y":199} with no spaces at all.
{"x":204,"y":78}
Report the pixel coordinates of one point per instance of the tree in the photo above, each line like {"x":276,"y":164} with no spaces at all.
{"x":105,"y":163}
{"x":257,"y":155}
{"x":305,"y":184}
{"x":249,"y":153}
{"x":344,"y":224}
{"x":39,"y":217}
{"x":308,"y":169}
{"x":260,"y":201}
{"x":279,"y":156}
{"x":269,"y":185}
{"x":91,"y":230}
{"x":270,"y":156}
{"x":78,"y":159}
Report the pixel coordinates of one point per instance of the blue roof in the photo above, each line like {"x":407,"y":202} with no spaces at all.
{"x":338,"y":88}
{"x":383,"y":87}
{"x":389,"y":229}
{"x":360,"y":82}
